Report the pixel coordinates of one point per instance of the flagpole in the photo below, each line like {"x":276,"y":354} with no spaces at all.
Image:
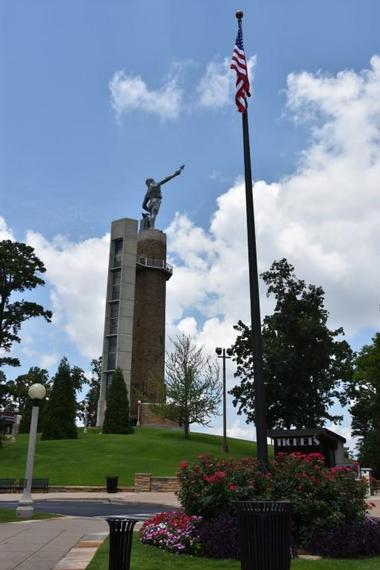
{"x":257,"y":352}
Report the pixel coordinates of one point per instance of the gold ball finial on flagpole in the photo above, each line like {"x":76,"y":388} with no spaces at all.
{"x":239,"y":14}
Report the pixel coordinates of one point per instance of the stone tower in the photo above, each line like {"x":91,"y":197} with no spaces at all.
{"x":148,"y":353}
{"x":134,"y":329}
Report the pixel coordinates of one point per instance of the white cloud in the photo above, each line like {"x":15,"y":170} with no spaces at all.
{"x":47,"y":361}
{"x":323,"y":218}
{"x":131,"y":93}
{"x":5,"y":231}
{"x":217,"y":85}
{"x":237,"y":430}
{"x":77,"y":274}
{"x":215,"y":89}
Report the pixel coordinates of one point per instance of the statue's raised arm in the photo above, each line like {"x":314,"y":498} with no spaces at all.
{"x":176,"y":173}
{"x":153,"y":198}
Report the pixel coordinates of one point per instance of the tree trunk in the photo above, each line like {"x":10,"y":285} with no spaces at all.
{"x":186,"y":427}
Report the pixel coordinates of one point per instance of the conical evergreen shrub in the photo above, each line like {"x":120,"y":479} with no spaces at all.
{"x":58,"y":421}
{"x":116,"y":419}
{"x":27,"y":416}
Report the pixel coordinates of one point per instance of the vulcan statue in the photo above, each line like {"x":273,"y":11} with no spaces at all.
{"x":153,"y":198}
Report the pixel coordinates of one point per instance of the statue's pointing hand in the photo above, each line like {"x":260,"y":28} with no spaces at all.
{"x":178,"y":172}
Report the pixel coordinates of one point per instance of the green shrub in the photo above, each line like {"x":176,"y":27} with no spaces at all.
{"x":116,"y":419}
{"x":60,"y":411}
{"x":209,"y":486}
{"x":320,"y":497}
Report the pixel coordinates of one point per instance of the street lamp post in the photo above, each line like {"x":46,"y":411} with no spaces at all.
{"x":138,"y":413}
{"x":24,"y":509}
{"x":224,"y":353}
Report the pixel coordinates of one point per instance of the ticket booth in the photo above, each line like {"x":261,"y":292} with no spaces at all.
{"x":9,"y":423}
{"x":320,"y":440}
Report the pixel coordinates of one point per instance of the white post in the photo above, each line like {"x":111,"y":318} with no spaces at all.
{"x":138,"y":413}
{"x":25,"y":506}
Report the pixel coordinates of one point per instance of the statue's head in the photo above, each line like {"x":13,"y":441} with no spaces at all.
{"x":149,"y":181}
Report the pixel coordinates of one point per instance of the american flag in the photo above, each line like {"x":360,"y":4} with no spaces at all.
{"x":239,"y":64}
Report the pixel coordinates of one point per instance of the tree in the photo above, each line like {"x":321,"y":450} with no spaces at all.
{"x":21,"y":401}
{"x":88,"y":407}
{"x":116,"y":418}
{"x":59,"y":416}
{"x":364,"y":394}
{"x":192,"y":387}
{"x":4,"y":393}
{"x":19,"y":269}
{"x":303,"y":363}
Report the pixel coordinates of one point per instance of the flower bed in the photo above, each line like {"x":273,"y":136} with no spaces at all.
{"x":175,"y":532}
{"x":321,"y":497}
{"x":348,"y":540}
{"x":323,"y":501}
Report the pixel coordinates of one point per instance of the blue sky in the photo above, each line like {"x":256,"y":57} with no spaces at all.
{"x":96,"y":96}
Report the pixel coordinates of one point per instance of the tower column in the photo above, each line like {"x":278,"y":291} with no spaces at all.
{"x":120,"y":301}
{"x":148,"y":352}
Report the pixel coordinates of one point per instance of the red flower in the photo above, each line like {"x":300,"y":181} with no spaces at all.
{"x":220,"y":474}
{"x":217,"y":477}
{"x":183,"y":464}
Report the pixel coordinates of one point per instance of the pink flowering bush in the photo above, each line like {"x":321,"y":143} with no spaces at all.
{"x":176,"y":532}
{"x":209,"y":486}
{"x":320,"y":497}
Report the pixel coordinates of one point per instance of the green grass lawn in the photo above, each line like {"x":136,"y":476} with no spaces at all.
{"x":151,"y":558}
{"x":9,"y":515}
{"x":90,"y":458}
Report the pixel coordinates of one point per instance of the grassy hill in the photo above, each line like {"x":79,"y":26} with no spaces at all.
{"x":93,"y":456}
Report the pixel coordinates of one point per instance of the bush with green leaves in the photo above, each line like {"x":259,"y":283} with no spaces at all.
{"x":58,"y":420}
{"x":116,"y":419}
{"x":320,"y":497}
{"x":209,"y":486}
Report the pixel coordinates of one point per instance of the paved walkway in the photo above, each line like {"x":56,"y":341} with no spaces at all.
{"x":66,"y":543}
{"x":40,"y":545}
{"x":123,"y":497}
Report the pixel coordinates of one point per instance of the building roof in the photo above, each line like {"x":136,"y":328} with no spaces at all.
{"x":328,"y":434}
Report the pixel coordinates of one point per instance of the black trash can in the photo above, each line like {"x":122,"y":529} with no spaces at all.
{"x":264,"y":532}
{"x":112,"y":484}
{"x":121,"y":534}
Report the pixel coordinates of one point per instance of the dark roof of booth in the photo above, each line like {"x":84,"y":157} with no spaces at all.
{"x":326,"y":433}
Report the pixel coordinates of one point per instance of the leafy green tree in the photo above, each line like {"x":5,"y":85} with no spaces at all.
{"x":19,"y":269}
{"x":19,"y":389}
{"x":304,"y":363}
{"x":116,"y":419}
{"x":58,"y":421}
{"x":89,"y":406}
{"x":364,"y":394}
{"x":192,"y":386}
{"x":4,"y":393}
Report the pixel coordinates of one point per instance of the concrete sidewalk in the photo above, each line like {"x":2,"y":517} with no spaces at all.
{"x":123,"y":497}
{"x":66,"y":543}
{"x":40,"y":545}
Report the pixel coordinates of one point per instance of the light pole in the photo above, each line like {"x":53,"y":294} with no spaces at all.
{"x":25,"y":506}
{"x":224,"y":353}
{"x":138,"y":413}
